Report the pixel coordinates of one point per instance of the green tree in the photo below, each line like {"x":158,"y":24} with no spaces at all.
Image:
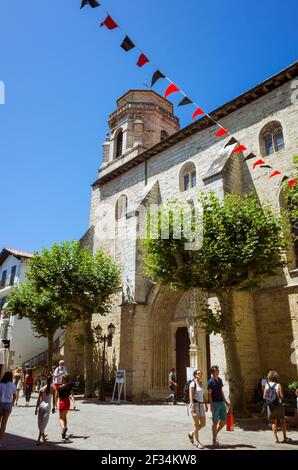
{"x":243,"y":243}
{"x":79,"y":281}
{"x":45,"y":315}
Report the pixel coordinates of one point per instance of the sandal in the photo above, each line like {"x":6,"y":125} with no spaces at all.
{"x":190,"y":437}
{"x":199,"y":445}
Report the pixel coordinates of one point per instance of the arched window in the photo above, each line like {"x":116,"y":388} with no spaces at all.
{"x":119,"y":144}
{"x":164,"y":135}
{"x":271,"y":138}
{"x":121,"y":207}
{"x":187,"y":177}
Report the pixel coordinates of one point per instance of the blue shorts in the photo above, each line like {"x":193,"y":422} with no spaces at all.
{"x":220,"y":411}
{"x":5,"y":408}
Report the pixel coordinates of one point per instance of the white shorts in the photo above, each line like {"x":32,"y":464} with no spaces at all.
{"x":198,"y":409}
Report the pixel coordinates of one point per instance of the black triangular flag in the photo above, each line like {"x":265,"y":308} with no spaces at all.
{"x":265,"y":166}
{"x":92,"y":3}
{"x":156,"y":76}
{"x":185,"y":101}
{"x":284,"y":178}
{"x":251,"y":155}
{"x":231,"y":142}
{"x":127,"y":44}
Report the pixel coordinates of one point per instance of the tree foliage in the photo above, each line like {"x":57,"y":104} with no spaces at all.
{"x":79,"y":281}
{"x":243,"y":243}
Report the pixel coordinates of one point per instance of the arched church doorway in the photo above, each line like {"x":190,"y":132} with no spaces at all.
{"x":182,"y":358}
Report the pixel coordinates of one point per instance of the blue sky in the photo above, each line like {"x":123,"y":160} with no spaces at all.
{"x":63,"y":74}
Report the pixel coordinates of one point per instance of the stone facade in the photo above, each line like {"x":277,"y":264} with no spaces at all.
{"x":151,"y":322}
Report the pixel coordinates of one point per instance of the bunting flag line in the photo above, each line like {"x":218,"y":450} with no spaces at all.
{"x":240,"y":148}
{"x":232,"y":141}
{"x":92,"y":3}
{"x":172,"y":88}
{"x":109,"y":23}
{"x":197,"y":112}
{"x":221,"y":132}
{"x":127,"y":44}
{"x":156,"y":76}
{"x":284,"y":178}
{"x":248,"y":157}
{"x":259,"y":162}
{"x":277,"y":172}
{"x":142,"y":60}
{"x":185,"y":101}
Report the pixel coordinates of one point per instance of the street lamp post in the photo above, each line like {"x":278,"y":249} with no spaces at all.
{"x":103,"y":339}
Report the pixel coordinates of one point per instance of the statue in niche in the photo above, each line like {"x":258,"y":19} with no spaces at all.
{"x":192,"y":331}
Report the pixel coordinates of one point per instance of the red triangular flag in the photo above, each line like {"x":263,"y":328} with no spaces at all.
{"x":142,"y":60}
{"x":277,"y":172}
{"x":197,"y":112}
{"x":171,"y":89}
{"x":259,"y":162}
{"x":109,"y":23}
{"x":292,"y":182}
{"x":221,"y":132}
{"x":240,"y":148}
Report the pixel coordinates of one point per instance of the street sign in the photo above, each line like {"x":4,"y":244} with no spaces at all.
{"x":120,"y":383}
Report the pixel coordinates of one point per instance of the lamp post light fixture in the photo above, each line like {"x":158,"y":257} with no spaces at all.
{"x":103,"y":339}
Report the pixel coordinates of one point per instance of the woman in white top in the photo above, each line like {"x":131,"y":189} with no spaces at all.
{"x":198,"y":405}
{"x":7,"y":398}
{"x":43,"y":408}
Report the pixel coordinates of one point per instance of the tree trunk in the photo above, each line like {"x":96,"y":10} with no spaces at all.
{"x":50,"y":348}
{"x":88,"y":359}
{"x":234,"y":372}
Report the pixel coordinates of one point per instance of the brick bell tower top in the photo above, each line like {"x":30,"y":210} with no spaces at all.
{"x":142,"y":119}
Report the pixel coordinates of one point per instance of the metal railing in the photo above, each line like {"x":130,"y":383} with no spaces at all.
{"x":41,"y":358}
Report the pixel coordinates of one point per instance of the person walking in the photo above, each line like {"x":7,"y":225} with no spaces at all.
{"x":7,"y":398}
{"x":57,"y":378}
{"x":43,"y":408}
{"x":173,"y":387}
{"x":198,"y":406}
{"x":273,"y":394}
{"x":218,"y":403}
{"x":17,"y":380}
{"x":28,"y":385}
{"x":64,"y":392}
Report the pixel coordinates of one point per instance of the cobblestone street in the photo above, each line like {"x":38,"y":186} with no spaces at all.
{"x":106,"y":426}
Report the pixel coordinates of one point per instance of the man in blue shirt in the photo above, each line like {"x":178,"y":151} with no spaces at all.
{"x":218,"y":403}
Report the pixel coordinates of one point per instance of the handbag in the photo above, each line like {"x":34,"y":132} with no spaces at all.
{"x":230,"y":421}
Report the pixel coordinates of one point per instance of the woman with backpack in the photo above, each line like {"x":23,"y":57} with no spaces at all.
{"x":198,"y":406}
{"x":273,"y":396}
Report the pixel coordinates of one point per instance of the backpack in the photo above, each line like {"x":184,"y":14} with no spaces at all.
{"x":185,"y":397}
{"x":272,"y":398}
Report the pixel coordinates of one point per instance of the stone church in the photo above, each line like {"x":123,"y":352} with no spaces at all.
{"x":147,"y":159}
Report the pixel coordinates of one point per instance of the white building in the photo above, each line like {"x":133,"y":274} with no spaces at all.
{"x":18,"y":342}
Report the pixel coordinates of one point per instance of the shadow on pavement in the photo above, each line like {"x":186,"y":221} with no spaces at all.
{"x":13,"y":442}
{"x":230,"y":446}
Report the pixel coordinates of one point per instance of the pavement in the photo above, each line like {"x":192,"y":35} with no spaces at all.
{"x":110,"y":426}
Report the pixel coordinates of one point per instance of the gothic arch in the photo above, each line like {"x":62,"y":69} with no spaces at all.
{"x":187,"y":176}
{"x":168,"y":310}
